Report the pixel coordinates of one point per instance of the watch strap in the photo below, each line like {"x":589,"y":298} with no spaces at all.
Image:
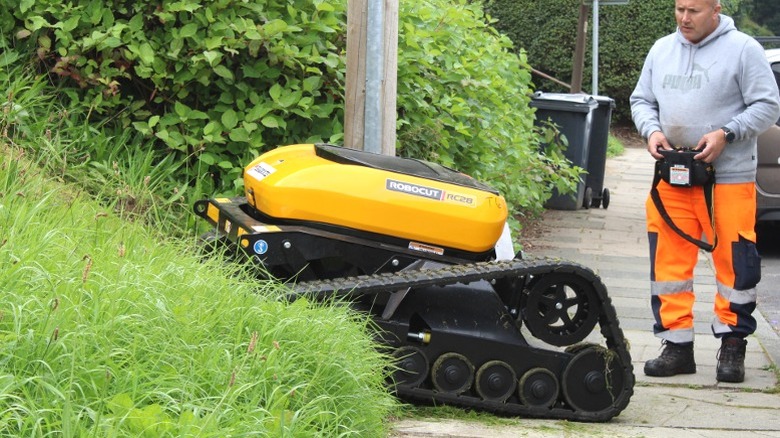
{"x":729,"y":134}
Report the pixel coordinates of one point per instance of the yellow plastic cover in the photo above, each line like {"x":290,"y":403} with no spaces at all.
{"x":293,"y":182}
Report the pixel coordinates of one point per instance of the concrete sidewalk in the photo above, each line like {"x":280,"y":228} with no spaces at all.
{"x":613,"y":242}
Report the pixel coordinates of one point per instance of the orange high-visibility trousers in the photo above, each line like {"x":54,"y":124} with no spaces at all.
{"x":672,"y":259}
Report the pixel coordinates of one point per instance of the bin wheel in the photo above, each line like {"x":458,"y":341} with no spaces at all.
{"x":605,"y":198}
{"x":588,"y":197}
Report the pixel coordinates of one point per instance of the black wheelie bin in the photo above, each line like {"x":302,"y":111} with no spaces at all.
{"x":573,"y":114}
{"x":597,"y":152}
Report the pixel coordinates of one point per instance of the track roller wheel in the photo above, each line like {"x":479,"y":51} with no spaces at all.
{"x":561,"y":309}
{"x":496,"y":381}
{"x":453,"y":373}
{"x":592,"y":379}
{"x":538,"y":388}
{"x":411,"y":366}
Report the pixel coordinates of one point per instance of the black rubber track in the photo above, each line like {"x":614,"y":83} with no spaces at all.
{"x":467,"y":273}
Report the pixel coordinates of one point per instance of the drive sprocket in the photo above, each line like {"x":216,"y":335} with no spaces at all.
{"x":561,"y":308}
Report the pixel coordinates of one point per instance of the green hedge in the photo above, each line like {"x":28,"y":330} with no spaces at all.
{"x":214,"y":83}
{"x":463,"y":100}
{"x":548,"y":34}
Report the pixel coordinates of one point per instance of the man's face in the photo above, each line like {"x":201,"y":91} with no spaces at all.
{"x":696,"y":18}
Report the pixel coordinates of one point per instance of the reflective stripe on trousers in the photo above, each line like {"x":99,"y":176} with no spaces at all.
{"x":672,"y":259}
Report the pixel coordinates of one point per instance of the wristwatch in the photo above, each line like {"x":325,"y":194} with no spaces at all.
{"x":730,"y":135}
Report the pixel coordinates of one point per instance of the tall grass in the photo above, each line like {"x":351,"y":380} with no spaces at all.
{"x":116,"y":166}
{"x":107,"y":330}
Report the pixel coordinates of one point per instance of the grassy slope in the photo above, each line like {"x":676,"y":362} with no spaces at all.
{"x":107,"y":331}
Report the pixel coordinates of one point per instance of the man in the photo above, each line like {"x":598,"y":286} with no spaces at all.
{"x":708,"y":87}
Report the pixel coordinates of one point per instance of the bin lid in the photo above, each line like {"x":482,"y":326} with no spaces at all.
{"x":604,"y":100}
{"x":581,"y":103}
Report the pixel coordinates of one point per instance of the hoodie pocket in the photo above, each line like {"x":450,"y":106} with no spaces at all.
{"x":746,"y":263}
{"x":685,"y":136}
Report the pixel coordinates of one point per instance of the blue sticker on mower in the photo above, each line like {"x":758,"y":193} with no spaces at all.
{"x":261,"y":247}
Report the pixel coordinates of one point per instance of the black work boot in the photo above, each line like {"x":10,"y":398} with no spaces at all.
{"x":675,"y":359}
{"x":731,"y":360}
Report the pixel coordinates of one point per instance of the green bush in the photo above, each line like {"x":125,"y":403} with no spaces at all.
{"x":216,"y":82}
{"x":211,"y":84}
{"x":463,"y":101}
{"x":766,"y":13}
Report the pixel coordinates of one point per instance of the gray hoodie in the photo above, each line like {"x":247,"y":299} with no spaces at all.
{"x":687,"y":90}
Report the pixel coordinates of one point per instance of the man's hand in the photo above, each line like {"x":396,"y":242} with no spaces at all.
{"x":657,"y":140}
{"x":711,"y":145}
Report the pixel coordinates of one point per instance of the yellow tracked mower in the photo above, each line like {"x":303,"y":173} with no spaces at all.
{"x":413,"y":244}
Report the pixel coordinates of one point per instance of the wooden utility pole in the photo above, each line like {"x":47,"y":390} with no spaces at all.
{"x":579,"y":51}
{"x":371,"y":81}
